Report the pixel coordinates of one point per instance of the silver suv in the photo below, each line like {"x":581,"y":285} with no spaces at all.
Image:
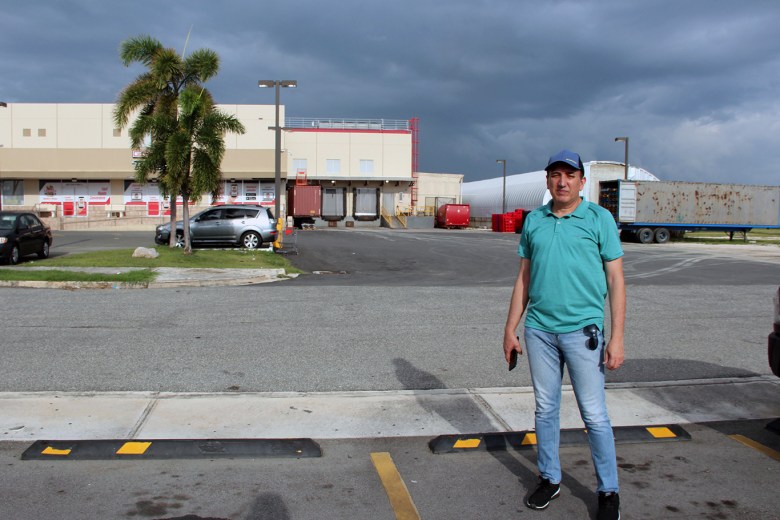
{"x":244,"y":225}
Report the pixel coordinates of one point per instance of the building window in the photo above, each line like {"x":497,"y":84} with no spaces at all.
{"x":41,"y":132}
{"x":334,"y":166}
{"x":300,"y":166}
{"x":12,"y":192}
{"x":117,"y":132}
{"x":366,"y":166}
{"x":26,"y":132}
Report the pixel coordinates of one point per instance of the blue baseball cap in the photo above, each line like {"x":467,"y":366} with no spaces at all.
{"x":566,"y":157}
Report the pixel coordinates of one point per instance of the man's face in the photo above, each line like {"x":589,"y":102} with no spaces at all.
{"x":564,"y":183}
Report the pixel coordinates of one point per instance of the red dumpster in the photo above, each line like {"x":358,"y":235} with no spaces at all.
{"x":453,"y":216}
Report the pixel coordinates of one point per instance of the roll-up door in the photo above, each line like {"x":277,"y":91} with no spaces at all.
{"x":332,"y":203}
{"x":366,"y":202}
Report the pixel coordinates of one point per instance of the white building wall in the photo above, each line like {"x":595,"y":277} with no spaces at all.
{"x":390,"y":153}
{"x":80,"y":144}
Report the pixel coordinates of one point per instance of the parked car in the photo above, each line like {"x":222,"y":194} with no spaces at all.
{"x":248,"y":226}
{"x":23,"y":234}
{"x":773,"y":347}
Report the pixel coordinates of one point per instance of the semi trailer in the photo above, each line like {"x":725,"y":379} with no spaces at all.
{"x":652,"y":211}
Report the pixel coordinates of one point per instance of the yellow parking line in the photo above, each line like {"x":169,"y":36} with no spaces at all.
{"x":756,"y":446}
{"x":396,"y":489}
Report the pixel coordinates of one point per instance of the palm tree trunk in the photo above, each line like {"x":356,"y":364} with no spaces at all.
{"x":172,"y":237}
{"x":185,"y":215}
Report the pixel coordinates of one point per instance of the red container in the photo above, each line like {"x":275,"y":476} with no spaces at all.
{"x":519,"y":215}
{"x":507,"y":223}
{"x":453,"y":216}
{"x":304,"y":201}
{"x":496,"y":222}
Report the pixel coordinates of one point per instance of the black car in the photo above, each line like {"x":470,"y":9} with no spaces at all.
{"x":22,"y":234}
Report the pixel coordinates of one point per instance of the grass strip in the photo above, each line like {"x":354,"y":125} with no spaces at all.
{"x":173,"y":257}
{"x":55,"y":275}
{"x":169,"y":257}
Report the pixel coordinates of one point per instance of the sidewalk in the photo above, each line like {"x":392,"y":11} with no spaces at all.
{"x":341,"y":415}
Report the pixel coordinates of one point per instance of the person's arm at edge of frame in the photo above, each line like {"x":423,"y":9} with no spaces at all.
{"x":516,"y":309}
{"x":615,"y":353}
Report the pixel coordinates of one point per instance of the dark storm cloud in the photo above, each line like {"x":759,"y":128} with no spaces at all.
{"x":694,"y":84}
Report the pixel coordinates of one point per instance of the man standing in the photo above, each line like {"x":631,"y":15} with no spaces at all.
{"x":570,"y":259}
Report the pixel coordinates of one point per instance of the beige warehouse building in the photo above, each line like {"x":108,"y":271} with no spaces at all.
{"x":69,"y":162}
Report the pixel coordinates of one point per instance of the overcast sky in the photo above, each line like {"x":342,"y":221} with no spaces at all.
{"x":695,"y":84}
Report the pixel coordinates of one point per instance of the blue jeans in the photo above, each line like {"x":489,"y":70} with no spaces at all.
{"x":547,"y":354}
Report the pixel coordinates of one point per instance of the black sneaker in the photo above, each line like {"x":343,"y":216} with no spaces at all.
{"x":545,"y":492}
{"x":609,"y":506}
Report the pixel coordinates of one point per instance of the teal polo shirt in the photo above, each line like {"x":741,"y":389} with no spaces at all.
{"x":568,"y":284}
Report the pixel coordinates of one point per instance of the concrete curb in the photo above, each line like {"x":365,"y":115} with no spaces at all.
{"x":167,"y":277}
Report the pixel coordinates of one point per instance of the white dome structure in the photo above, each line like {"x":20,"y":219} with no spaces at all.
{"x":529,"y":190}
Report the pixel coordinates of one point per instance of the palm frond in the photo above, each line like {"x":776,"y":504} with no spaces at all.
{"x":142,"y":49}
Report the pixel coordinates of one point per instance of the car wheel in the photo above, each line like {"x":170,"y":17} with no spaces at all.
{"x":251,"y":240}
{"x":13,"y":258}
{"x":179,"y":239}
{"x":44,"y":252}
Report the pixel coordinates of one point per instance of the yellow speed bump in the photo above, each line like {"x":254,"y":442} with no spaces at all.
{"x":523,"y":440}
{"x":115,"y":449}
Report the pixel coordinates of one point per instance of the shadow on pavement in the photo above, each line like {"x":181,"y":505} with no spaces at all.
{"x":463,"y":413}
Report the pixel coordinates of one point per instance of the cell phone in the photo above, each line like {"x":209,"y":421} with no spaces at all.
{"x":512,"y":359}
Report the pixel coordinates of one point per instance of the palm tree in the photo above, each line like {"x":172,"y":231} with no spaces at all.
{"x":195,"y":148}
{"x":155,"y":95}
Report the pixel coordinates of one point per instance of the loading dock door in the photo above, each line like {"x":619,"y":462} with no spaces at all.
{"x":333,"y":203}
{"x":366,"y":202}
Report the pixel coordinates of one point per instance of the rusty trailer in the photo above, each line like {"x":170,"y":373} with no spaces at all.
{"x":653,"y":210}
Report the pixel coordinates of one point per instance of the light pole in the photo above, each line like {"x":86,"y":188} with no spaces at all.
{"x":625,"y":140}
{"x":269,"y":83}
{"x":4,"y":105}
{"x":503,"y":192}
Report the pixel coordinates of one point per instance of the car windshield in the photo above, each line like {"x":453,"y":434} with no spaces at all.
{"x":7,"y":221}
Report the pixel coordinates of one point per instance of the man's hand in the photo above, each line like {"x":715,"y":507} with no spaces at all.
{"x":614,"y":354}
{"x":511,"y":342}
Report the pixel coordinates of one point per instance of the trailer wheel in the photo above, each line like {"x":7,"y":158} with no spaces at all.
{"x":662,"y":235}
{"x":645,"y":235}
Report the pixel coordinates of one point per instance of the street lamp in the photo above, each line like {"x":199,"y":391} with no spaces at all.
{"x":625,"y":140}
{"x":503,"y":193}
{"x":5,"y":105}
{"x":273,"y":83}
